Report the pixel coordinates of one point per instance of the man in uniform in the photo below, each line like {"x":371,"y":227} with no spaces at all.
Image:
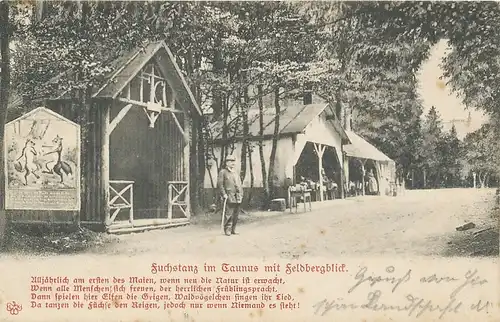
{"x":229,"y":185}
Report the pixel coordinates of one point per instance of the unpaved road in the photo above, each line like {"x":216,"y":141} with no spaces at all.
{"x":418,"y":223}
{"x":415,"y":230}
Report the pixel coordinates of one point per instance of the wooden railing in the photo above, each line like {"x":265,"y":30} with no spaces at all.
{"x":119,"y":190}
{"x":178,"y":197}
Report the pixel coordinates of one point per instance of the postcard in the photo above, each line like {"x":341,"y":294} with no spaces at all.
{"x":249,"y":161}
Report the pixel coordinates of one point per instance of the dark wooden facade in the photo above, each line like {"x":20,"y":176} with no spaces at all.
{"x":135,"y":147}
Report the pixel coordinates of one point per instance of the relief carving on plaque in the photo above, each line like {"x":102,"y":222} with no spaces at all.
{"x":42,"y":162}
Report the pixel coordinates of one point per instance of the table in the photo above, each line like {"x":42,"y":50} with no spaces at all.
{"x":294,"y":195}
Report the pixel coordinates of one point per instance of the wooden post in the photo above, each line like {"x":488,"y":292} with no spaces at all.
{"x":320,"y":150}
{"x":342,"y":175}
{"x":104,"y":154}
{"x":187,"y":158}
{"x":170,"y":207}
{"x":363,"y":172}
{"x":131,"y":216}
{"x":412,"y":178}
{"x":474,"y":178}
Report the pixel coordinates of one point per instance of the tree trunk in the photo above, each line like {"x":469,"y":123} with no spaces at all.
{"x":212,"y":182}
{"x":218,"y":67}
{"x":225,"y":125}
{"x":196,"y":151}
{"x":201,"y":160}
{"x":272,"y":160}
{"x":425,"y":179}
{"x":252,"y":176}
{"x":363,"y":174}
{"x":194,"y":193}
{"x":244,"y":143}
{"x":261,"y":147}
{"x":339,"y":108}
{"x":39,"y":10}
{"x":481,"y":180}
{"x":4,"y":99}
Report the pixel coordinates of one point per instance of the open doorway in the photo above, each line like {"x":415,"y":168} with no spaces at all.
{"x":149,"y":158}
{"x":307,"y":167}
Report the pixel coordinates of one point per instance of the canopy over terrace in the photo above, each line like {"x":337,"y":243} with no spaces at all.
{"x":293,"y":120}
{"x":364,"y":151}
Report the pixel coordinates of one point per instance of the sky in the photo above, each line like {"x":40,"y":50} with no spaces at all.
{"x":434,"y":92}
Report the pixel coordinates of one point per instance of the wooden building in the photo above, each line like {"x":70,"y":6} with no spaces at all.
{"x":310,"y":139}
{"x":135,"y":146}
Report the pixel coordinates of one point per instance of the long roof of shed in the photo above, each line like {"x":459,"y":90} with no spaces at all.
{"x":293,"y":119}
{"x":360,"y":148}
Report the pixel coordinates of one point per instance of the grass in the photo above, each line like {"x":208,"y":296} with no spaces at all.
{"x":36,"y":242}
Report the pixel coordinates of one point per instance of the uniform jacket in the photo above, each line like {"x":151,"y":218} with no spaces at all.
{"x":229,"y":184}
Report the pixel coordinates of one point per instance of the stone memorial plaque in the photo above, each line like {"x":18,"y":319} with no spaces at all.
{"x":42,"y":162}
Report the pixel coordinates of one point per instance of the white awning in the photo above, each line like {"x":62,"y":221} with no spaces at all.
{"x":360,"y":148}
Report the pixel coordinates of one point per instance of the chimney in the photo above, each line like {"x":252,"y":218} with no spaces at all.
{"x":307,"y":95}
{"x":347,"y":119}
{"x":307,"y":98}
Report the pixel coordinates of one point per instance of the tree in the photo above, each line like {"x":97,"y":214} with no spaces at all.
{"x":5,"y":30}
{"x":371,"y":79}
{"x":86,"y":36}
{"x":450,"y":154}
{"x":395,"y":128}
{"x":430,"y":154}
{"x":471,"y":28}
{"x":482,"y":152}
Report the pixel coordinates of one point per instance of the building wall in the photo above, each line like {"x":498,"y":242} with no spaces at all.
{"x":288,"y":152}
{"x":285,"y":145}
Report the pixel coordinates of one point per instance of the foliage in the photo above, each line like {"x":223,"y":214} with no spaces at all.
{"x":482,"y":151}
{"x":359,"y":56}
{"x":472,"y":29}
{"x":395,"y":128}
{"x":450,"y":150}
{"x":439,"y":152}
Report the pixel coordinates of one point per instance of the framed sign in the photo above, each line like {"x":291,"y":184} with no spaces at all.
{"x":42,"y":162}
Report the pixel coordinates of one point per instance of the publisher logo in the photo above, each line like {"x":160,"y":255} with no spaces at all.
{"x":13,"y":308}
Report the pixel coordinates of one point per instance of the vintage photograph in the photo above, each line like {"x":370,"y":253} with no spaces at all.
{"x":245,"y":129}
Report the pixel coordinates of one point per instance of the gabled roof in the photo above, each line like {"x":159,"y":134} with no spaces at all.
{"x":127,"y":66}
{"x":293,"y":120}
{"x":360,"y":148}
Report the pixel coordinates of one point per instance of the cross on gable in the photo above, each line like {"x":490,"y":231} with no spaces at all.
{"x":149,"y":76}
{"x":150,"y":87}
{"x":150,"y":79}
{"x":150,"y":90}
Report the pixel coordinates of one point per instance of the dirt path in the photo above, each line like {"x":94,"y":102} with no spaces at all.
{"x":418,"y":223}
